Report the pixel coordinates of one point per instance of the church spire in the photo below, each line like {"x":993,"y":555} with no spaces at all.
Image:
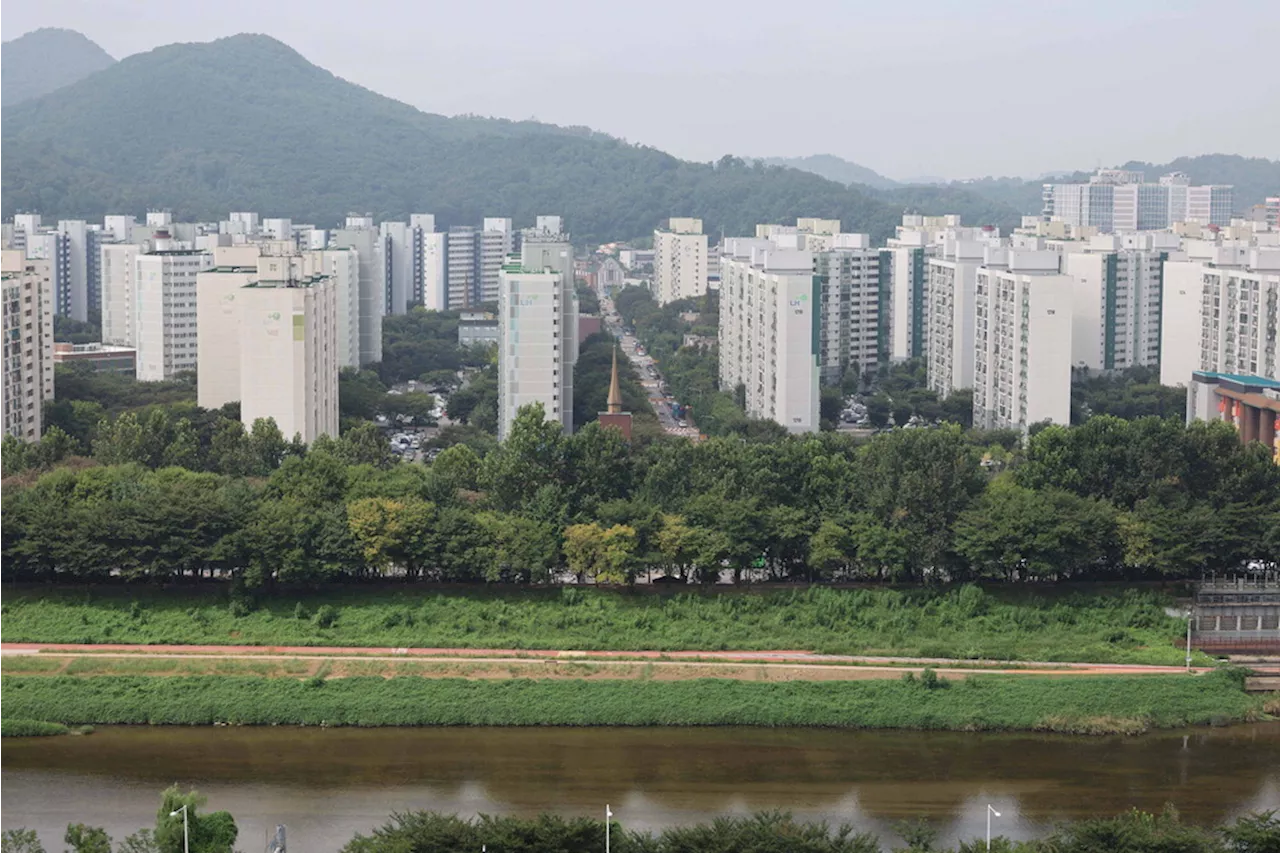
{"x":615,"y":391}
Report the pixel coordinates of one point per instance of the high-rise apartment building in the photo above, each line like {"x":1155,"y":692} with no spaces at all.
{"x":288,"y":350}
{"x":342,"y":267}
{"x":950,"y":306}
{"x":427,"y":276}
{"x":219,"y":310}
{"x":84,"y":290}
{"x":1120,"y":200}
{"x":497,"y":240}
{"x":396,"y":264}
{"x":1119,"y":283}
{"x":1221,"y":313}
{"x":360,"y":235}
{"x":462,"y":269}
{"x":679,"y":260}
{"x":769,"y":340}
{"x":848,"y":277}
{"x":54,"y":247}
{"x":119,"y":265}
{"x":118,"y":228}
{"x":1022,"y":361}
{"x":537,"y":341}
{"x":27,"y":301}
{"x":165,"y":286}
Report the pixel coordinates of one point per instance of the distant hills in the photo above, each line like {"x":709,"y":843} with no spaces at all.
{"x":43,"y":60}
{"x":836,"y":169}
{"x":247,"y":123}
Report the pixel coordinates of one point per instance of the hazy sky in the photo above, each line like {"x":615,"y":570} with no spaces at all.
{"x":925,"y":87}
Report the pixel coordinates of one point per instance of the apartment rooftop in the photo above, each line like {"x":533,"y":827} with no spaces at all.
{"x":295,"y":282}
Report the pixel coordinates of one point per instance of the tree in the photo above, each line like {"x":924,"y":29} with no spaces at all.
{"x":87,"y":839}
{"x":830,"y":547}
{"x":121,"y":441}
{"x":209,"y":833}
{"x":20,"y":841}
{"x":378,"y":527}
{"x":532,"y":456}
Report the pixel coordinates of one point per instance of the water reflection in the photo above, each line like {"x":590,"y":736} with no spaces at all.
{"x":329,"y":784}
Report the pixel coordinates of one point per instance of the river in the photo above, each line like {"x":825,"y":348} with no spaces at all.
{"x":328,"y":784}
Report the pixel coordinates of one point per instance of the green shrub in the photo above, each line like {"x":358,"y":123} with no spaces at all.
{"x":326,"y":617}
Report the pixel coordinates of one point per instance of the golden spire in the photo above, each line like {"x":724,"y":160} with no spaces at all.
{"x":615,"y":392}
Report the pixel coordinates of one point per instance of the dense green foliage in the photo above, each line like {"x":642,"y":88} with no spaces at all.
{"x":967,"y":622}
{"x":835,"y":168}
{"x":591,"y":375}
{"x":14,"y":727}
{"x":1082,"y":704}
{"x":778,"y":832}
{"x":1129,"y":394}
{"x":764,"y":832}
{"x":90,"y":149}
{"x":46,"y":59}
{"x":1128,"y":499}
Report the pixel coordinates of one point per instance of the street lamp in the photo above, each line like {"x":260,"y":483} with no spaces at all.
{"x":607,"y":815}
{"x":1189,"y":614}
{"x":990,"y":811}
{"x":186,"y":837}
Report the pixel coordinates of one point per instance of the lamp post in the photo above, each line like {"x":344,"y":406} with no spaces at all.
{"x":1190,"y":612}
{"x":990,"y":811}
{"x":607,"y":815}
{"x":186,"y":837}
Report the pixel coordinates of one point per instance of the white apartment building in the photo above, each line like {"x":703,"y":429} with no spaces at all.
{"x":119,"y":264}
{"x":497,"y":240}
{"x":342,"y":267}
{"x":1022,"y":355}
{"x":950,"y":305}
{"x":1119,"y":200}
{"x":768,"y":341}
{"x":28,"y":342}
{"x":360,"y":235}
{"x":848,"y":276}
{"x":679,"y":261}
{"x":1221,"y":313}
{"x":428,"y":260}
{"x":1119,"y":282}
{"x":537,"y":346}
{"x":165,"y":284}
{"x":462,"y":268}
{"x":83,"y":291}
{"x":277,"y":229}
{"x":218,"y":316}
{"x":904,"y":277}
{"x":396,"y":263}
{"x":54,"y":247}
{"x":288,"y":350}
{"x":118,"y":228}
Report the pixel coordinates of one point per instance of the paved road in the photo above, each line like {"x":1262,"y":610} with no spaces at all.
{"x":652,"y":382}
{"x":789,"y":657}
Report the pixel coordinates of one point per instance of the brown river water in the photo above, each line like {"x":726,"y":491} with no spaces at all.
{"x":328,"y":784}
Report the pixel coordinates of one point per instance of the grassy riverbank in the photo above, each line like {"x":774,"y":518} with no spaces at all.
{"x":31,"y":728}
{"x":1087,"y":705}
{"x":1110,"y":626}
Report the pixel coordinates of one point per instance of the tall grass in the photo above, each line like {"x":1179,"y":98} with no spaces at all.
{"x":1118,"y":626}
{"x":30,"y":728}
{"x":1087,"y":704}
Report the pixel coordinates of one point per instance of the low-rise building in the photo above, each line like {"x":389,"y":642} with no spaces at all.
{"x":477,"y":328}
{"x":103,"y":358}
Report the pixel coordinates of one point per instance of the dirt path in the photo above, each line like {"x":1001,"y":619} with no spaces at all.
{"x":728,"y":663}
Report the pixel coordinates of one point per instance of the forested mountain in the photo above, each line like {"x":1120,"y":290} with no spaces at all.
{"x":836,"y":169}
{"x":43,"y":60}
{"x":247,"y":123}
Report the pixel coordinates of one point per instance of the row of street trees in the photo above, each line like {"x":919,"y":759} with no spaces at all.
{"x":1110,"y":499}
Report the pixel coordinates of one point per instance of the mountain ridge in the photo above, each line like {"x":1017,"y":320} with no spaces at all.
{"x":247,"y":122}
{"x":835,"y":168}
{"x":45,"y":60}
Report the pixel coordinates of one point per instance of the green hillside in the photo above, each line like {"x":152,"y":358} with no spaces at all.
{"x":44,"y":60}
{"x":247,"y":123}
{"x":836,"y":169}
